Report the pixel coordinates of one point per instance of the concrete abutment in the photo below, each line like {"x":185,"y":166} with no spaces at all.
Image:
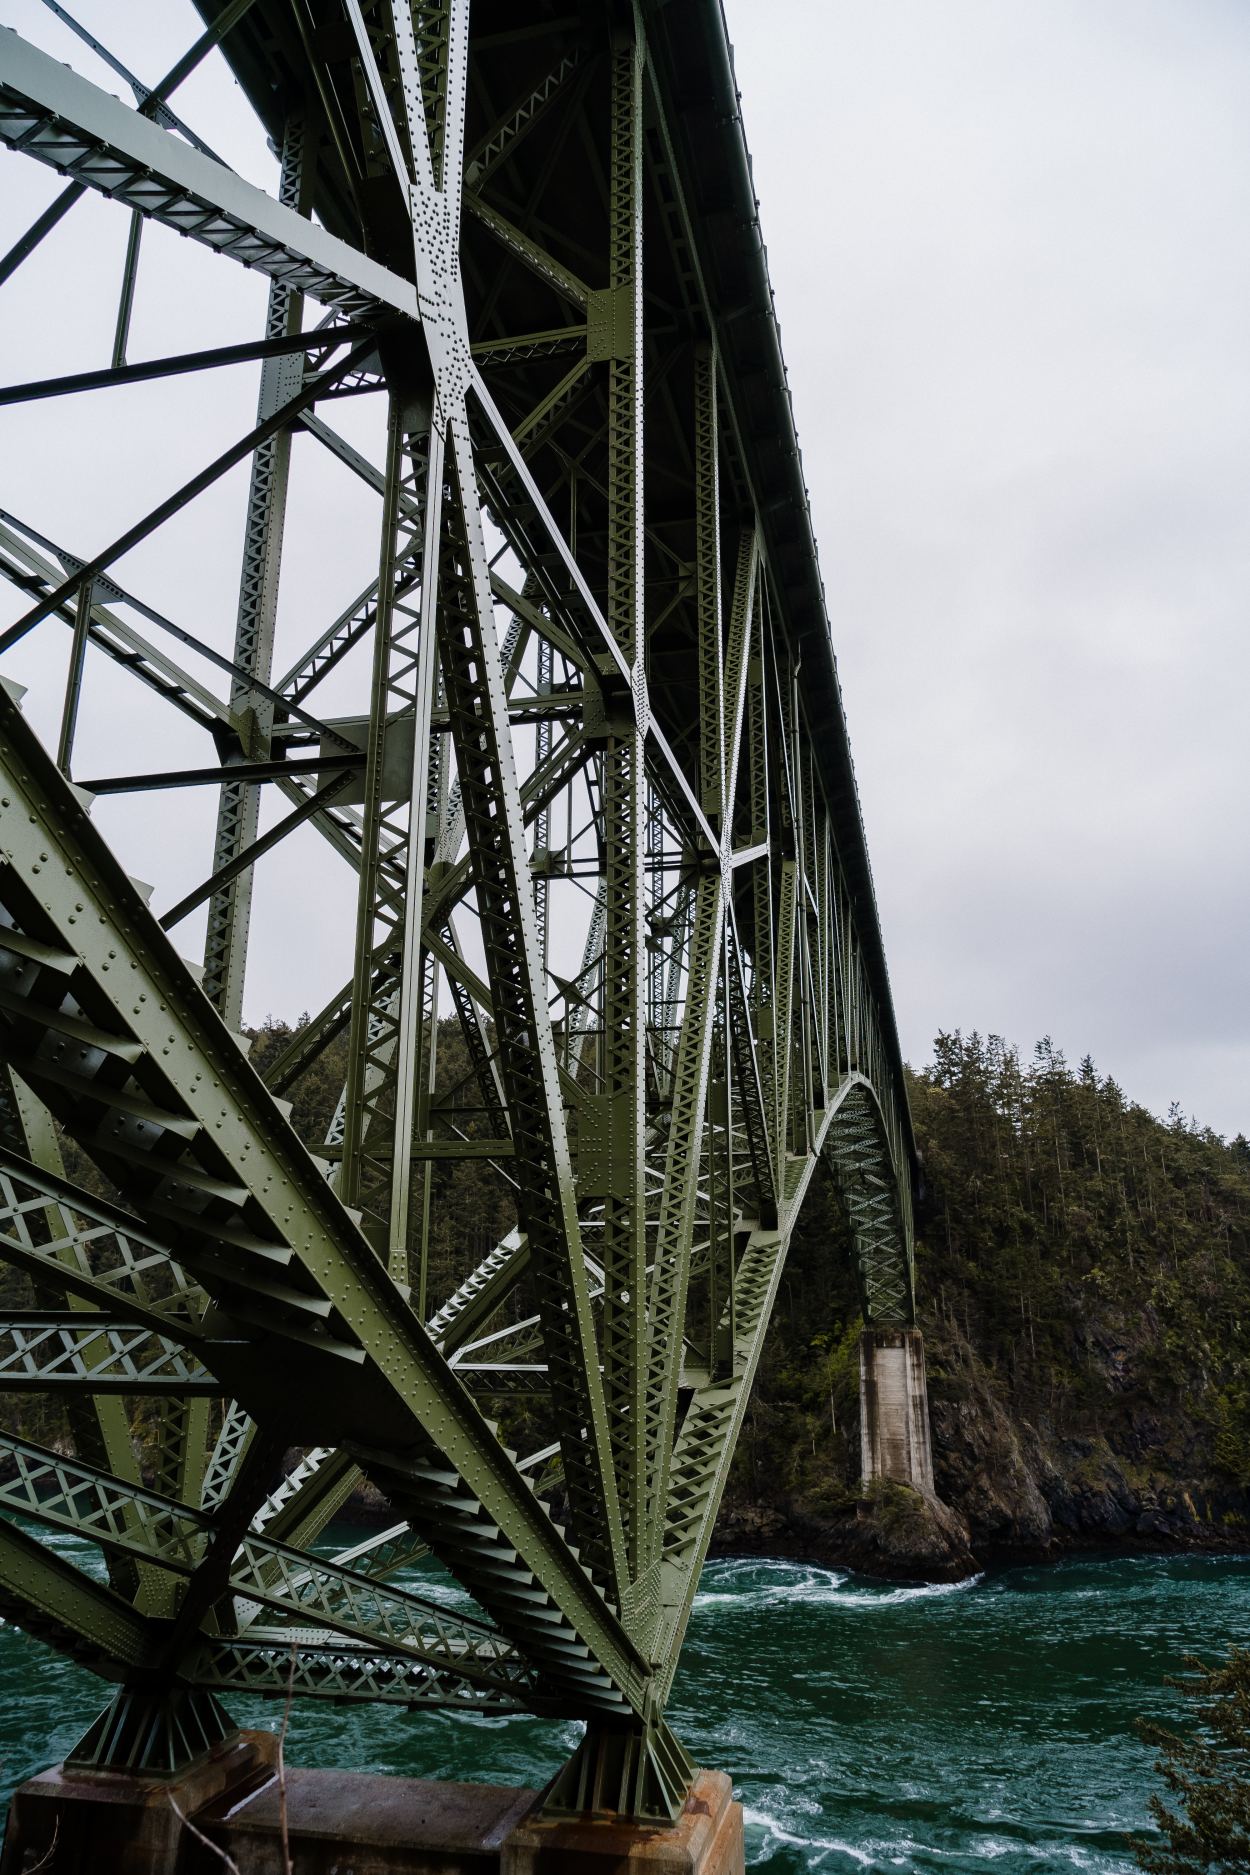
{"x":895,"y":1444}
{"x":232,"y":1804}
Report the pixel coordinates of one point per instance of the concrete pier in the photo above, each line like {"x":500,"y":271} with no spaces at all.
{"x":894,"y":1409}
{"x":71,"y":1821}
{"x":706,"y":1839}
{"x":231,"y":1804}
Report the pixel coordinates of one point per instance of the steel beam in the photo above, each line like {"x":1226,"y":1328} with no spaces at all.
{"x":50,"y":113}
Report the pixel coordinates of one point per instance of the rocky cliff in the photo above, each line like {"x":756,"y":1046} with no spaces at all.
{"x":1083,"y":1278}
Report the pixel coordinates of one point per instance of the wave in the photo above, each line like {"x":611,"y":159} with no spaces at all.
{"x":824,"y":1846}
{"x":1100,"y":1856}
{"x":750,"y":1586}
{"x":920,"y":1592}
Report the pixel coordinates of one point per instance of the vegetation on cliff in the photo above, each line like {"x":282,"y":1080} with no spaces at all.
{"x":1083,"y":1274}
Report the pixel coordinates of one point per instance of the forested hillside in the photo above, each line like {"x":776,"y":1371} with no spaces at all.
{"x":1084,"y":1288}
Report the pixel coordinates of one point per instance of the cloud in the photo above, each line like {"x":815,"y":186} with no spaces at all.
{"x":1013,"y":290}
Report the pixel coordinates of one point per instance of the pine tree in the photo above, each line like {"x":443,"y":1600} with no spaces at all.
{"x":1209,"y":1772}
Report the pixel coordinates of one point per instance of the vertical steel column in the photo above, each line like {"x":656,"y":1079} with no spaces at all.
{"x":660,"y":929}
{"x":707,"y":585}
{"x":737,"y":663}
{"x":788,"y":908}
{"x":579,"y":1033}
{"x":238,"y":812}
{"x":670,"y":1273}
{"x":720,"y":1190}
{"x":801,"y":1102}
{"x":677,"y":925}
{"x":712,"y":788}
{"x":763,"y":985}
{"x":183,"y":1454}
{"x":437,"y":807}
{"x":126,"y":298}
{"x":624,"y":1223}
{"x":73,"y":677}
{"x":745,"y":1054}
{"x":844,"y":977}
{"x":542,"y":825}
{"x":783,"y":1010}
{"x":826,"y":1000}
{"x":382,"y":1072}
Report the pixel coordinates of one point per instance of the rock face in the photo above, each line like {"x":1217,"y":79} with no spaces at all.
{"x":901,"y":1534}
{"x":1013,"y":1485}
{"x":1136,"y":1474}
{"x":894,"y":1533}
{"x":1028,"y":1488}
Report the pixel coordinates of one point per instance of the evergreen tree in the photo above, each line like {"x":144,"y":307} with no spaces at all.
{"x":1209,"y":1772}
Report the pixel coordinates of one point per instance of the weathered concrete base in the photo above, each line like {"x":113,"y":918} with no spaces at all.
{"x":705,"y":1840}
{"x":894,"y":1409}
{"x":120,"y":1824}
{"x":357,"y":1823}
{"x":345,"y":1823}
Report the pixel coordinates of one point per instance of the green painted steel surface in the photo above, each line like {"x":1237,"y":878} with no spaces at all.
{"x":598,"y":807}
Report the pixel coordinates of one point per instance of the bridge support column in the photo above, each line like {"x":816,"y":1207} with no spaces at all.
{"x":894,"y":1409}
{"x":705,"y":1839}
{"x":81,"y":1820}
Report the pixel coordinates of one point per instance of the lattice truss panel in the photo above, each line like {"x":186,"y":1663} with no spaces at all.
{"x":575,"y":752}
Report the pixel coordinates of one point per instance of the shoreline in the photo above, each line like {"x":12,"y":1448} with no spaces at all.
{"x":846,"y":1549}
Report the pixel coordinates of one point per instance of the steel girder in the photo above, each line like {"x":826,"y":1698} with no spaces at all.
{"x":601,"y":833}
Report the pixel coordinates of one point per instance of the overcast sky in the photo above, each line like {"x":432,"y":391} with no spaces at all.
{"x":1010,"y":241}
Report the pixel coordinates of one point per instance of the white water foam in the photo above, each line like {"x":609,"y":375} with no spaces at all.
{"x":812,"y":1587}
{"x":776,"y":1833}
{"x":892,"y":1598}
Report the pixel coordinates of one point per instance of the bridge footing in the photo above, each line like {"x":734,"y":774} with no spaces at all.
{"x":706,"y":1839}
{"x":71,"y":1820}
{"x":894,"y":1409}
{"x":232,"y":1806}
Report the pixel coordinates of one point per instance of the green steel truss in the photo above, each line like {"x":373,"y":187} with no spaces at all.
{"x":596,"y":809}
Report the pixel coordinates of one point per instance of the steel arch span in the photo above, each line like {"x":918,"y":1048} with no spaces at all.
{"x":576,"y":750}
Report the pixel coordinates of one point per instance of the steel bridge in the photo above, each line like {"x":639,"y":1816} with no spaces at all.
{"x":587,"y":773}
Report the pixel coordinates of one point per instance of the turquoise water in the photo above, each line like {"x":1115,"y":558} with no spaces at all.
{"x":866,"y":1727}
